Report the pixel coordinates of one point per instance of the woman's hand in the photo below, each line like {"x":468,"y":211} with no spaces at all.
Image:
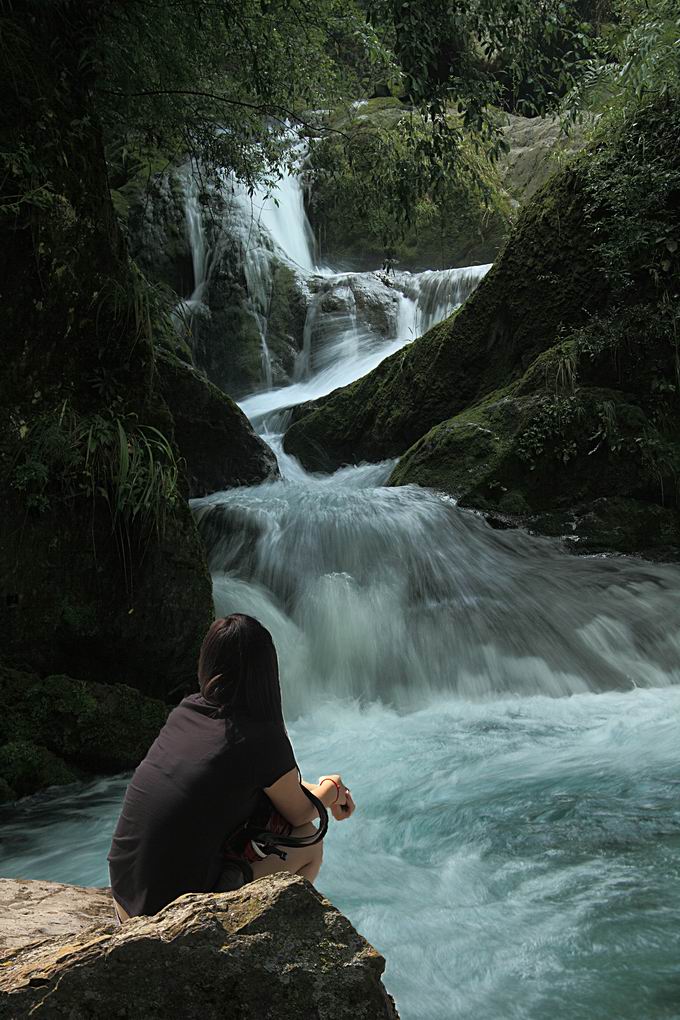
{"x":341,"y":810}
{"x":342,"y":805}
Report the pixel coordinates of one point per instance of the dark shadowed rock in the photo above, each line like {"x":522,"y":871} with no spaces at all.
{"x":73,"y":606}
{"x":212,"y":434}
{"x":274,"y":949}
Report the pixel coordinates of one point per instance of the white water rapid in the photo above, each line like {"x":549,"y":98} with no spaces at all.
{"x":508,"y":716}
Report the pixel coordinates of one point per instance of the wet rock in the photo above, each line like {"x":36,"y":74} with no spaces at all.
{"x":274,"y":949}
{"x":512,"y":458}
{"x":156,"y":228}
{"x":535,"y":147}
{"x":244,"y":321}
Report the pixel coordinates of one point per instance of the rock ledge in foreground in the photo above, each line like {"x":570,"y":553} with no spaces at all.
{"x":274,"y":949}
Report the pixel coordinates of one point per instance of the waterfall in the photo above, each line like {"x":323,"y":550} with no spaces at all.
{"x":198,"y":243}
{"x":281,"y":214}
{"x":394,"y":594}
{"x":440,"y":292}
{"x":353,"y":321}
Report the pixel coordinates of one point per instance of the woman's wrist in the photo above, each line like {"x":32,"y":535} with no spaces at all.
{"x":335,"y":787}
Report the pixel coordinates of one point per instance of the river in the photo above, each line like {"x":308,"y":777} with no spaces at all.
{"x":507,"y":715}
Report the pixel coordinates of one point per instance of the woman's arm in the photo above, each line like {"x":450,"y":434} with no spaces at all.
{"x":289,"y":800}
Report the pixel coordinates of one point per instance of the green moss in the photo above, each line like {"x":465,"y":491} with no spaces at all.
{"x":285,"y":321}
{"x":369,"y":200}
{"x":26,"y":767}
{"x":75,"y":726}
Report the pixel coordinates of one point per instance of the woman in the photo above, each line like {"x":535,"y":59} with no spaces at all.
{"x":207,"y":773}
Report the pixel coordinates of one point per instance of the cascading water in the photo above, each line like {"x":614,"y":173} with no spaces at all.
{"x":353,"y":321}
{"x":198,"y":242}
{"x":508,"y":716}
{"x":394,"y":594}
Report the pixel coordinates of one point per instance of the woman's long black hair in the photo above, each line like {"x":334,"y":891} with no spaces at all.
{"x":238,"y":669}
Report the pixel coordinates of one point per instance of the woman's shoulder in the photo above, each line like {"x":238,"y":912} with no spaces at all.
{"x":197,"y":704}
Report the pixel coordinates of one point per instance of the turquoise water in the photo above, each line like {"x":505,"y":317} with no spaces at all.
{"x":511,"y":858}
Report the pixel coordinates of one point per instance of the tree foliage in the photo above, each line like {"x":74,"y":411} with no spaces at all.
{"x":639,"y":60}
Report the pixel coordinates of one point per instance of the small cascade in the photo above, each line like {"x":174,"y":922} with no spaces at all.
{"x":356,"y":320}
{"x":440,"y":292}
{"x":303,"y":362}
{"x":433,"y":295}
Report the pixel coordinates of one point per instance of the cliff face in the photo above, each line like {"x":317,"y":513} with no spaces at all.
{"x":274,"y":950}
{"x":551,"y":397}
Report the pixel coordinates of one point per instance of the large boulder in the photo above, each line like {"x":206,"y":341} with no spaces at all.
{"x":535,"y":148}
{"x":248,"y":295}
{"x":273,"y":949}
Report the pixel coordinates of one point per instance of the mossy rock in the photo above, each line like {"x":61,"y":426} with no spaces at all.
{"x":56,"y":729}
{"x":463,"y":231}
{"x":616,"y":524}
{"x":226,"y":341}
{"x":152,"y":207}
{"x":530,"y":458}
{"x":467,"y":227}
{"x":285,"y":323}
{"x":26,"y":767}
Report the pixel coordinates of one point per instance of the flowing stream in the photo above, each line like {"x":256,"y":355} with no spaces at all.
{"x":508,"y":716}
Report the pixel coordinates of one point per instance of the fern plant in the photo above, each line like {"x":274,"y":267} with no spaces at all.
{"x":131,"y":466}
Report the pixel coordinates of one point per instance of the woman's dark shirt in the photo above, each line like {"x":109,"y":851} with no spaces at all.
{"x":199,"y":782}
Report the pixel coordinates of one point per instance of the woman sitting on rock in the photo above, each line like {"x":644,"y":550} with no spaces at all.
{"x":222,"y":757}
